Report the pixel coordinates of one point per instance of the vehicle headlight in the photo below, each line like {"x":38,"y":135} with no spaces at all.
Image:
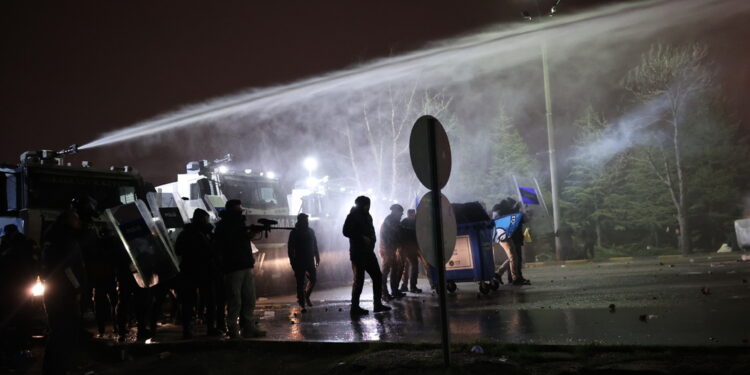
{"x":37,"y":290}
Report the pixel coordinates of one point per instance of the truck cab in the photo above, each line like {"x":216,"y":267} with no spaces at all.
{"x":41,"y":186}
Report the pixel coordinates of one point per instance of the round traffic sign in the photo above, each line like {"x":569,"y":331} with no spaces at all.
{"x":419,"y":150}
{"x":425,"y":225}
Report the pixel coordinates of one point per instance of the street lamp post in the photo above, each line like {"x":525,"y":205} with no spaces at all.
{"x":550,"y":138}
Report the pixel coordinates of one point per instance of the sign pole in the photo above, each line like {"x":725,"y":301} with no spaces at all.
{"x":437,"y":238}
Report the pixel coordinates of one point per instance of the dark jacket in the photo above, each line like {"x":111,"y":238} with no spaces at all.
{"x":232,"y":242}
{"x":358,"y":225}
{"x":303,"y":247}
{"x":409,"y":231}
{"x":390,"y":231}
{"x":194,"y":246}
{"x":17,"y":264}
{"x":62,"y":261}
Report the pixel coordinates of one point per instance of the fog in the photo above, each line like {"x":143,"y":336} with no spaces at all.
{"x":357,"y":121}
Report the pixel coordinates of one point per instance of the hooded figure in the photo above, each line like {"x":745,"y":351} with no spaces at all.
{"x":390,"y":242}
{"x":304,"y":258}
{"x":232,"y":241}
{"x":197,"y":271}
{"x":64,"y":276}
{"x":17,"y":274}
{"x":358,"y":228}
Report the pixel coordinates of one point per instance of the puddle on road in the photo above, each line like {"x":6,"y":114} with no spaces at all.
{"x":414,"y":321}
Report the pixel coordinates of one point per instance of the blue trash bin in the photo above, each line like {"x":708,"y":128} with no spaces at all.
{"x":472,"y":258}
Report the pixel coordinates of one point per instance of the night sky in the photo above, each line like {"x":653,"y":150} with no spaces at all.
{"x":70,"y":74}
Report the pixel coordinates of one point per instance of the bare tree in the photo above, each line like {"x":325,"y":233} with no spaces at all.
{"x":386,"y":127}
{"x":676,"y":75}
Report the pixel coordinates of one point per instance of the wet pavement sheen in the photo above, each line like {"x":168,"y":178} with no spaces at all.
{"x":704,"y":300}
{"x":669,"y":302}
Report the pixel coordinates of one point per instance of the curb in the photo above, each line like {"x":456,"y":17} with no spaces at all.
{"x":722,"y":256}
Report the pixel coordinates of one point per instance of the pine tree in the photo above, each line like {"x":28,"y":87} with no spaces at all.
{"x":508,"y":156}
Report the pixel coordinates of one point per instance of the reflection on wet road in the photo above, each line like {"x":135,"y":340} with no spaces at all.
{"x":668,"y":302}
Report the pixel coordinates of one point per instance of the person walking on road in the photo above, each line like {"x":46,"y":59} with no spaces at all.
{"x":390,"y":241}
{"x":361,"y":233}
{"x":232,"y":240}
{"x":512,"y":245}
{"x":194,"y":246}
{"x":64,"y":272}
{"x":304,"y":258}
{"x":410,"y":252}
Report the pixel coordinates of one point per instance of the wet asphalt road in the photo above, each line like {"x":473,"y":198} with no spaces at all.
{"x":704,"y":300}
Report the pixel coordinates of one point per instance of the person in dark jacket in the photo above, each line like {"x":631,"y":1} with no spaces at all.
{"x":410,"y":252}
{"x":194,"y":246}
{"x":130,"y":298}
{"x":232,"y":241}
{"x":358,"y":228}
{"x":304,"y":258}
{"x":18,"y":271}
{"x":64,"y":276}
{"x":390,"y":242}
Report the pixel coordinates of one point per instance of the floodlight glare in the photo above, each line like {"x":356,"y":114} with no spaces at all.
{"x":271,"y":175}
{"x":312,"y":182}
{"x":223,"y":169}
{"x":310,"y":164}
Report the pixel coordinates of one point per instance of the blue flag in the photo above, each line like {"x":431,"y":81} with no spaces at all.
{"x":528,"y":195}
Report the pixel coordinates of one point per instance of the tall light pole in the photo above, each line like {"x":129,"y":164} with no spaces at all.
{"x":550,"y":138}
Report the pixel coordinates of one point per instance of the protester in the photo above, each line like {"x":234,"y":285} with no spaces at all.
{"x":64,"y":275}
{"x":232,"y":240}
{"x":18,"y":273}
{"x":390,"y":242}
{"x":512,"y":245}
{"x":409,"y":252}
{"x":361,"y":233}
{"x":193,"y":245}
{"x":304,"y":258}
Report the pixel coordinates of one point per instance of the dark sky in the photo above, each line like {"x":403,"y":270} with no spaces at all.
{"x":72,"y":73}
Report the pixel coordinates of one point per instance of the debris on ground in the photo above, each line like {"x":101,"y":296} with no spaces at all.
{"x":611,"y":307}
{"x":476,"y":349}
{"x":646,"y":317}
{"x":706,"y":290}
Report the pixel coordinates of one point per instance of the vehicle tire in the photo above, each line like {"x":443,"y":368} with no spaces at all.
{"x":451,"y":286}
{"x":484,"y":288}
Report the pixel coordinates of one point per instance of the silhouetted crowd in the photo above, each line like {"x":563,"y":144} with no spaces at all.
{"x":84,"y":266}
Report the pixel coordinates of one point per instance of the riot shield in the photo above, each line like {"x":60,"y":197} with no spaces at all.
{"x":214,"y":204}
{"x":168,"y":219}
{"x":149,"y":250}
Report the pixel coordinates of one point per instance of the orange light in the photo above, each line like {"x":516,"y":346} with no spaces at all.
{"x":38,"y":289}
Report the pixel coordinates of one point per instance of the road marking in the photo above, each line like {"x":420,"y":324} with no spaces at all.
{"x":673,"y":256}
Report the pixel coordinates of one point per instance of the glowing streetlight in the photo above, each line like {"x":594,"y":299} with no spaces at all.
{"x":271,"y":175}
{"x":223,"y":169}
{"x":311,"y":164}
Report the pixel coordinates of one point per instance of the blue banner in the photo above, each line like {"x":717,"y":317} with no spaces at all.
{"x":528,"y":195}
